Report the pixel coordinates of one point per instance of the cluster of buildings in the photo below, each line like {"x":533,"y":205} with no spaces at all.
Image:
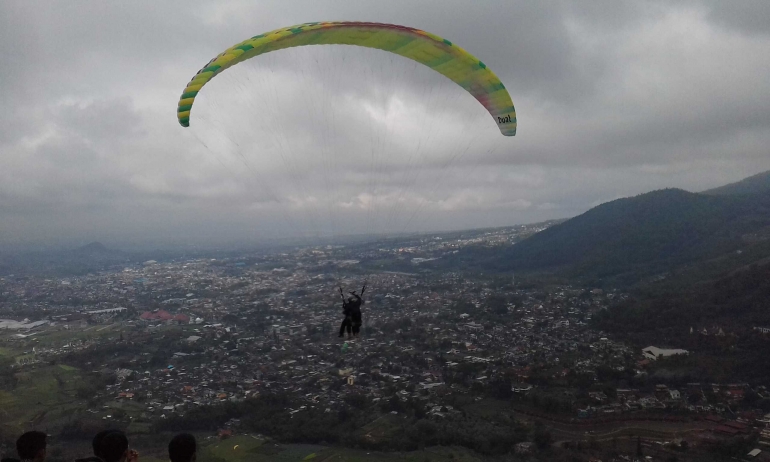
{"x":202,"y":331}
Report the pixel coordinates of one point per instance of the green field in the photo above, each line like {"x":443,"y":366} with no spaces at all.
{"x":5,"y":351}
{"x":42,"y":395}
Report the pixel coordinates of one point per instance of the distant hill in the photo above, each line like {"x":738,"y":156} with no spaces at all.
{"x":640,"y":235}
{"x":756,"y":184}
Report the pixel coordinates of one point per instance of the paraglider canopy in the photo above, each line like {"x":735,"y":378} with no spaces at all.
{"x":335,"y":141}
{"x":423,"y":47}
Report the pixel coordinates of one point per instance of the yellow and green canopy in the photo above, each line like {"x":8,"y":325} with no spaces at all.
{"x":423,"y":47}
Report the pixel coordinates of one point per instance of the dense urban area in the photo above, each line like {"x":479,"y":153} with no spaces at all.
{"x":248,"y":345}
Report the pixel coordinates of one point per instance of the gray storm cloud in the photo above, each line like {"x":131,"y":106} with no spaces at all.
{"x":613,"y":99}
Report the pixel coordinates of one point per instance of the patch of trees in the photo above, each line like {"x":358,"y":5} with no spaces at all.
{"x":736,"y":302}
{"x":410,"y":429}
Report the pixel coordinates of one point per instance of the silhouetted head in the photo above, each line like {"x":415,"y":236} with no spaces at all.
{"x":182,"y":448}
{"x":96,"y":442}
{"x":31,"y":446}
{"x":113,"y":446}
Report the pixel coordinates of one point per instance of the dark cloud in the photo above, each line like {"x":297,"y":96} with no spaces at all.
{"x":749,"y":17}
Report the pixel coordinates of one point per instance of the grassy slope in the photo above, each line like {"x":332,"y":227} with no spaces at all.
{"x":42,"y":396}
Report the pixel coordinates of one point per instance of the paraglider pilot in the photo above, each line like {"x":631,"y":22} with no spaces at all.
{"x":351,"y":308}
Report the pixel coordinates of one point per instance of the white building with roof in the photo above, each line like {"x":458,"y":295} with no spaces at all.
{"x":653,"y":352}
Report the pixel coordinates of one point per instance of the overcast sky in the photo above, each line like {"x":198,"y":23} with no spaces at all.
{"x":613,"y":99}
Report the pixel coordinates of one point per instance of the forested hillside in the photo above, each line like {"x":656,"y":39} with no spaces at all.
{"x":755,"y":184}
{"x":628,"y":238}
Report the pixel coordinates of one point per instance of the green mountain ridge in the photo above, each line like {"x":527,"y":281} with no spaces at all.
{"x":625,"y":240}
{"x":754,"y":184}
